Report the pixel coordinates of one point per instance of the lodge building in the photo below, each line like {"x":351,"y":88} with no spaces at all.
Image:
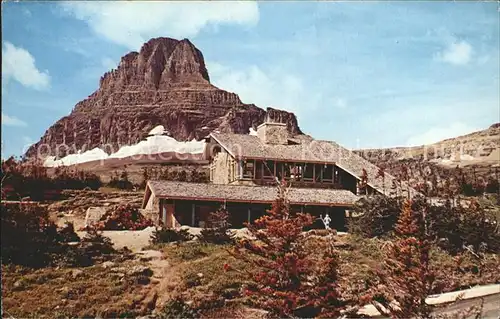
{"x":324,"y":177}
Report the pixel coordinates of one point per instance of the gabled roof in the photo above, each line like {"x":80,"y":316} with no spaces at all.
{"x":308,"y":150}
{"x":247,"y":194}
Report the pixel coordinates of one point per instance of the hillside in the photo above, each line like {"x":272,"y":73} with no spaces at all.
{"x":475,"y":156}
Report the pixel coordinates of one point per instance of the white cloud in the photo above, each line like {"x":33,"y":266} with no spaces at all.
{"x":458,"y":53}
{"x":264,"y":88}
{"x":12,"y":121}
{"x":19,"y":65}
{"x":132,"y":23}
{"x":440,"y":133}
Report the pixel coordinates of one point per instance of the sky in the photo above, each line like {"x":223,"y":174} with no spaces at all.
{"x":364,"y":74}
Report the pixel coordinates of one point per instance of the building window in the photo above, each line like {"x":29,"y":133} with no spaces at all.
{"x":318,"y":171}
{"x":288,"y":171}
{"x":308,"y":172}
{"x":258,"y":169}
{"x":296,"y":171}
{"x":248,"y":168}
{"x":280,"y":170}
{"x":328,"y":173}
{"x":268,"y":169}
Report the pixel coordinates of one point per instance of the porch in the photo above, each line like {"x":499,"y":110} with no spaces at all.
{"x":175,"y":213}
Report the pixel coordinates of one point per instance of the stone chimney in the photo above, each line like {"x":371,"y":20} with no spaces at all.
{"x":273,"y":133}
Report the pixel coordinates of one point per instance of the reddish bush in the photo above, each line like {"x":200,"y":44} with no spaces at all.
{"x":284,"y":277}
{"x":405,"y":277}
{"x":124,"y":217}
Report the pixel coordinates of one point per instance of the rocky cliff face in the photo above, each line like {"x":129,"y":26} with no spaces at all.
{"x":166,"y":83}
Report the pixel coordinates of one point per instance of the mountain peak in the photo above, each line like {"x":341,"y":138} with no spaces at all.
{"x":165,"y":83}
{"x":160,"y":64}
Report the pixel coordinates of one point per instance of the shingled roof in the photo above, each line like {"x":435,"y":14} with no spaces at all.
{"x":303,"y":148}
{"x":247,"y":194}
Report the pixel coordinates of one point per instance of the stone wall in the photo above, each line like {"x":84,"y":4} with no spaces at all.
{"x":273,"y":133}
{"x":222,"y":169}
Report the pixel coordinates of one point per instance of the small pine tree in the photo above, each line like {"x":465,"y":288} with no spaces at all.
{"x":217,"y":230}
{"x":406,"y":278}
{"x":285,"y":278}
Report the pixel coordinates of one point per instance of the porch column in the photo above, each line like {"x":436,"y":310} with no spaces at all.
{"x":249,"y":213}
{"x":163,"y":213}
{"x":193,"y":210}
{"x":240,"y":169}
{"x":254,"y":168}
{"x":172,"y":215}
{"x":263,"y":163}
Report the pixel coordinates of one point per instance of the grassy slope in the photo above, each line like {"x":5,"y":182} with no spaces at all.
{"x":73,"y":292}
{"x":199,"y":277}
{"x":200,"y":267}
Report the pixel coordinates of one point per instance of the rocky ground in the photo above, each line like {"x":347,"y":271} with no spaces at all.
{"x":76,"y":202}
{"x":143,"y":285}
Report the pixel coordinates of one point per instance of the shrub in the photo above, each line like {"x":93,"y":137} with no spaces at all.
{"x":95,"y":244}
{"x":464,"y":270}
{"x":217,"y":230}
{"x":28,"y":237}
{"x":123,"y":217}
{"x":67,"y":233}
{"x":451,"y":226}
{"x":479,"y":229}
{"x":191,"y":252}
{"x":178,"y":308}
{"x":121,"y":181}
{"x":32,"y":179}
{"x":406,"y":278}
{"x":170,"y":235}
{"x":492,"y":186}
{"x":375,"y":216}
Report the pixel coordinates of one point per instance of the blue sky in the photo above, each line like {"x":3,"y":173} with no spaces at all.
{"x":371,"y":74}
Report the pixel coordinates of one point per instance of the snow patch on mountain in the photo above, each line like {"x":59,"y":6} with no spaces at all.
{"x":95,"y":154}
{"x":160,"y":144}
{"x":158,"y":130}
{"x":154,"y":144}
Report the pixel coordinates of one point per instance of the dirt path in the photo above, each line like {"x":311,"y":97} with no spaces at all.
{"x":165,"y":277}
